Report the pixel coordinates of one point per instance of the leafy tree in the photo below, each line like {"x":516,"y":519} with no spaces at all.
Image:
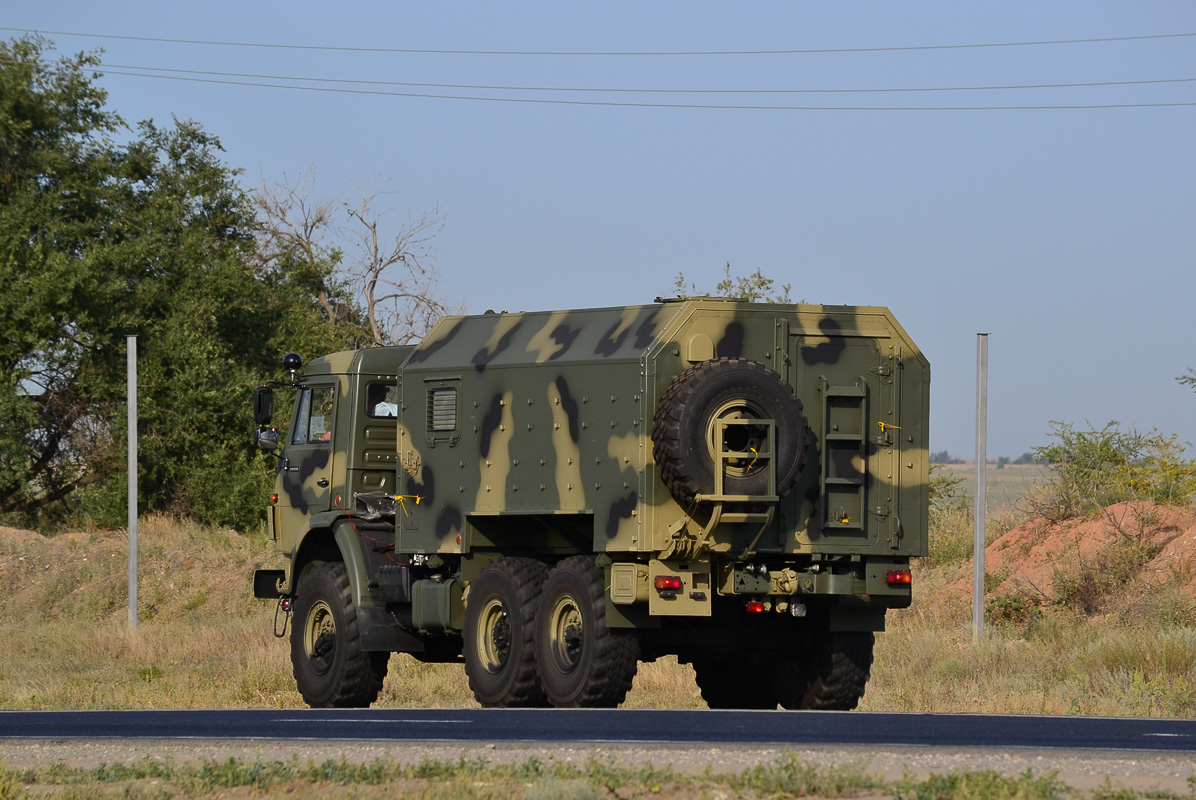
{"x":99,"y":240}
{"x":1189,"y":379}
{"x":755,"y":287}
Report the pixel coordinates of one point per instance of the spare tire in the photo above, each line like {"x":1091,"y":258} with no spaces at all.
{"x":685,"y":424}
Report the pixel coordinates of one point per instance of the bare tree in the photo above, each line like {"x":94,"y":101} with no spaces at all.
{"x":293,"y":240}
{"x":394,"y":271}
{"x":346,"y":257}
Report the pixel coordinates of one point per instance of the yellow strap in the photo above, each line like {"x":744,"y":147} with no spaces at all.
{"x":402,"y":498}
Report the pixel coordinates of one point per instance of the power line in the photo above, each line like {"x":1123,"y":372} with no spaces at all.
{"x":149,"y":72}
{"x":623,"y":104}
{"x":424,"y":51}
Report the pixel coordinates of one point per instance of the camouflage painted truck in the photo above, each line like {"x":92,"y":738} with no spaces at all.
{"x":553,"y":497}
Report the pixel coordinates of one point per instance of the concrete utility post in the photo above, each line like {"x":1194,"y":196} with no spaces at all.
{"x":132,"y":395}
{"x":981,"y":464}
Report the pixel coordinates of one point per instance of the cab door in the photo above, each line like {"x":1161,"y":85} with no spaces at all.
{"x":305,"y":469}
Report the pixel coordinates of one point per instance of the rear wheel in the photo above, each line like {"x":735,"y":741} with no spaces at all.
{"x":831,"y":677}
{"x":582,"y":662}
{"x":727,"y":684}
{"x":331,"y":670}
{"x":499,"y":644}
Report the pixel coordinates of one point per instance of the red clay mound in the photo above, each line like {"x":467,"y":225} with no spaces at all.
{"x":1033,"y":558}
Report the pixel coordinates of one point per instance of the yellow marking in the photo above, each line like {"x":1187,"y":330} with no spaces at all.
{"x":884,"y":425}
{"x":402,"y":498}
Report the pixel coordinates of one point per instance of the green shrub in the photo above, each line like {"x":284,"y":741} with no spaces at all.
{"x":1013,"y":608}
{"x":951,"y":527}
{"x":987,"y":784}
{"x":1094,"y":469}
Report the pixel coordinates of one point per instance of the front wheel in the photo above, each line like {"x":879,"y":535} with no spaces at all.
{"x":582,"y":662}
{"x":331,"y":670}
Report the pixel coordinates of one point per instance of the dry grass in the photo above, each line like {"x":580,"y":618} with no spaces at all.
{"x":1131,"y":653}
{"x":201,"y":640}
{"x":204,"y":642}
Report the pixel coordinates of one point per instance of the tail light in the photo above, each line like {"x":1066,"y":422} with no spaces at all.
{"x":899,"y":577}
{"x":668,"y":586}
{"x":755,"y":607}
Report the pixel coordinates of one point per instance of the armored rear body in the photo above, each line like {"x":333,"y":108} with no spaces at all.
{"x":738,"y":484}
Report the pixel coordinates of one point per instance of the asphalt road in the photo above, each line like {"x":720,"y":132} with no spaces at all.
{"x":626,"y":726}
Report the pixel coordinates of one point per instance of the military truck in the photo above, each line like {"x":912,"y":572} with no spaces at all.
{"x":551,"y":498}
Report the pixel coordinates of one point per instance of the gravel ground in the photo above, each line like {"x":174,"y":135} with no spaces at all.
{"x":1079,"y":769}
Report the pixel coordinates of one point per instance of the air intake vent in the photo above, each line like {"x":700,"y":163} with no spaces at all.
{"x":442,"y":409}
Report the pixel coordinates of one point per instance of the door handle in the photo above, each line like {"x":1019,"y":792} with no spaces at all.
{"x":322,"y":482}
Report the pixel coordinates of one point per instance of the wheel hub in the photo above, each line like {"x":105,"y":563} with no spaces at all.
{"x":567,"y":634}
{"x":495,"y":643}
{"x":319,"y":637}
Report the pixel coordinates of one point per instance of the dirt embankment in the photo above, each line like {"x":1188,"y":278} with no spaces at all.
{"x":1122,"y":559}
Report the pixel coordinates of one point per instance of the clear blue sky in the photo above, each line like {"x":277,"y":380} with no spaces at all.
{"x":1067,"y":234}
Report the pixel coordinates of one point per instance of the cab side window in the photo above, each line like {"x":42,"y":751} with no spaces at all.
{"x":313,"y":421}
{"x":382,"y":400}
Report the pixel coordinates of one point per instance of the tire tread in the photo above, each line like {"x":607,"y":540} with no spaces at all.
{"x":362,"y":673}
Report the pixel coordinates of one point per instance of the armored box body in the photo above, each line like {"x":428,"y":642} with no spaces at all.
{"x":541,"y":432}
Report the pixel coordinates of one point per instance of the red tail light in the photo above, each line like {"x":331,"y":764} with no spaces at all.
{"x":899,"y":577}
{"x":274,"y":497}
{"x":668,"y":583}
{"x":755,"y":607}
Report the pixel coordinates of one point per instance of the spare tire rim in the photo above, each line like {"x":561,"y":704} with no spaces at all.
{"x":746,"y":439}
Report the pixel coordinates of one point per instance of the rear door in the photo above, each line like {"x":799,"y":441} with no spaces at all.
{"x":847,"y":382}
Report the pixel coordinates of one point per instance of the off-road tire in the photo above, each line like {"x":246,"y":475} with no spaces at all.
{"x":582,"y":662}
{"x":499,"y":639}
{"x":834,"y":676}
{"x":331,"y":670}
{"x":683,"y":426}
{"x":727,"y":684}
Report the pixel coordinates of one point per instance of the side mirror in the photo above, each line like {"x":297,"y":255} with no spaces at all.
{"x":263,"y":405}
{"x":266,"y":439}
